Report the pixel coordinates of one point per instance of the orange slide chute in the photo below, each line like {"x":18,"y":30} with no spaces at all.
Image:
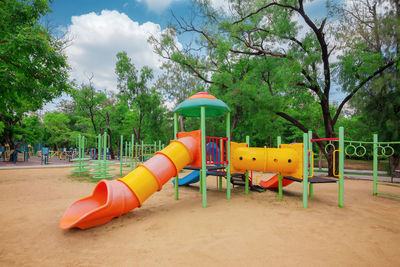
{"x":274,"y":182}
{"x":111,"y":199}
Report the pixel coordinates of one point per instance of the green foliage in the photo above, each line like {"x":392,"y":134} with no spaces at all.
{"x":33,"y":69}
{"x":135,"y":92}
{"x":57,"y":131}
{"x":33,"y":128}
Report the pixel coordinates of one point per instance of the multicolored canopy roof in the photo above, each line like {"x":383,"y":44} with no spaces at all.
{"x":191,"y":106}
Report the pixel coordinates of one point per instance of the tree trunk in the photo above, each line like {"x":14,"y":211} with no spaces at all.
{"x":181,"y":123}
{"x":394,"y":163}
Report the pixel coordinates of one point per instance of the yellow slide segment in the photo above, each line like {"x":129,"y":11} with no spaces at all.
{"x":147,"y":178}
{"x":113,"y":198}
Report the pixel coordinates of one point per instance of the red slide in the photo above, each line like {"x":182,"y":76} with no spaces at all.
{"x":274,"y":182}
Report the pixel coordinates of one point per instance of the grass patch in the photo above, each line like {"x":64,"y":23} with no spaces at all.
{"x":85,"y":177}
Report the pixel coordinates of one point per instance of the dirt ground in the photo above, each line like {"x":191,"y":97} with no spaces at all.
{"x":245,"y":231}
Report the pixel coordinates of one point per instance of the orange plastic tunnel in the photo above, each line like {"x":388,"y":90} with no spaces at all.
{"x":111,"y":199}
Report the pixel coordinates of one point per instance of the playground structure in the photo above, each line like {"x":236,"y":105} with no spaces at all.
{"x":136,"y":152}
{"x":113,"y":198}
{"x":100,"y":171}
{"x":81,"y":165}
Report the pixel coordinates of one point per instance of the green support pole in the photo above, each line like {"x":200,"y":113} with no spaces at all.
{"x":155,"y":147}
{"x":105,"y":154}
{"x":280,"y":178}
{"x":130,"y":154}
{"x":246,"y":185}
{"x":341,"y":167}
{"x":375,"y":165}
{"x":203,"y":155}
{"x":79,"y":150}
{"x":159,"y":145}
{"x":228,"y":155}
{"x":120,"y":155}
{"x":305,"y":170}
{"x":126,"y":153}
{"x":133,"y":147}
{"x":310,"y":148}
{"x":177,"y":175}
{"x":142,"y":154}
{"x":99,"y":147}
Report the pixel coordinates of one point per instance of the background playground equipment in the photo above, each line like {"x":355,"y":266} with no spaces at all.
{"x":308,"y":179}
{"x":100,"y":171}
{"x":3,"y":152}
{"x":382,"y":149}
{"x":135,"y":153}
{"x":113,"y":198}
{"x":44,"y":156}
{"x":81,"y":158}
{"x":379,"y":150}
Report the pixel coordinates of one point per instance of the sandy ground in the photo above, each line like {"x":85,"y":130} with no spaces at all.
{"x":245,"y":231}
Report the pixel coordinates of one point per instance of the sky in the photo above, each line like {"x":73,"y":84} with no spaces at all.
{"x":99,"y":29}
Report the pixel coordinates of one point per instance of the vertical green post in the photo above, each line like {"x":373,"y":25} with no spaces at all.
{"x":375,"y":165}
{"x":310,"y":148}
{"x":135,"y":154}
{"x":142,"y":154}
{"x":82,"y":153}
{"x":105,"y":154}
{"x":120,"y":155}
{"x":341,"y":167}
{"x":159,"y":145}
{"x":155,"y":147}
{"x":280,"y":178}
{"x":99,"y":148}
{"x":246,"y":185}
{"x":305,"y":170}
{"x":228,"y":155}
{"x":203,"y":155}
{"x":126,"y":153}
{"x":177,"y":175}
{"x":130,"y":154}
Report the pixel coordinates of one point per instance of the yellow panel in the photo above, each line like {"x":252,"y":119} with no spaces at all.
{"x":286,"y":160}
{"x":178,"y":154}
{"x":141,"y":182}
{"x":235,"y":163}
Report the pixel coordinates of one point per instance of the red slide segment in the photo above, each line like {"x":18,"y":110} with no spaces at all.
{"x":274,"y":182}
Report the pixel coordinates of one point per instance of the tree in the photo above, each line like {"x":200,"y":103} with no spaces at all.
{"x":33,"y":129}
{"x":176,"y":85}
{"x":57,"y":131}
{"x":372,"y":37}
{"x":33,"y":69}
{"x":135,"y":91}
{"x":262,"y":41}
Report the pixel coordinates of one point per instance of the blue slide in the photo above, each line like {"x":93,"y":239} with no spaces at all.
{"x":191,"y":178}
{"x":194,"y":176}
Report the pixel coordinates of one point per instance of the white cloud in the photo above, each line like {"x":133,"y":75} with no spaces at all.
{"x":97,"y":38}
{"x":158,"y":5}
{"x":220,"y":5}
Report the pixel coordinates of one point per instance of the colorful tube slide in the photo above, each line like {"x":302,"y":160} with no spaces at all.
{"x":113,"y":198}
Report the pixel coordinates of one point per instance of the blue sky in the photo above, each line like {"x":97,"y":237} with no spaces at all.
{"x":139,"y":11}
{"x":99,"y":29}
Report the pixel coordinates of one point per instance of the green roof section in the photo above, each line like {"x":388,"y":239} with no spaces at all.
{"x":191,"y":107}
